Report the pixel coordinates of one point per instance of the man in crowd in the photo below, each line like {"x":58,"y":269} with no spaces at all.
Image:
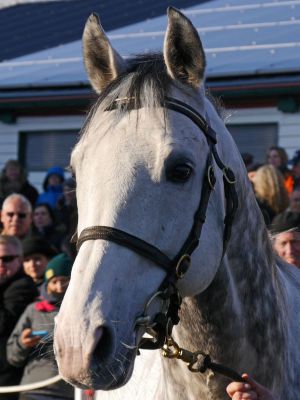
{"x":17,"y":290}
{"x":286,"y":232}
{"x":16,"y":216}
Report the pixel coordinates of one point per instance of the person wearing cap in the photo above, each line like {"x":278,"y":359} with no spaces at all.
{"x":285,"y":231}
{"x":52,"y":186}
{"x":31,"y":342}
{"x":37,"y":252}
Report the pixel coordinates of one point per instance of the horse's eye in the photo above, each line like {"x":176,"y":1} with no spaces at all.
{"x":179,"y":173}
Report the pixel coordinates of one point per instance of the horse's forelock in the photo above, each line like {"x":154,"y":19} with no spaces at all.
{"x":145,"y":83}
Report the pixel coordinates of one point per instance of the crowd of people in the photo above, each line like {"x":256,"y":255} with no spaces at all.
{"x":276,"y":185}
{"x":36,"y":259}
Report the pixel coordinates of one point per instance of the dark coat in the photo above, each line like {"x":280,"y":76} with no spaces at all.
{"x":15,"y":295}
{"x":30,"y":193}
{"x":24,"y":188}
{"x":54,"y":234}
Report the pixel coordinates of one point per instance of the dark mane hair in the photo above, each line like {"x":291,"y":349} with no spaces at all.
{"x":144,"y":83}
{"x":146,"y":70}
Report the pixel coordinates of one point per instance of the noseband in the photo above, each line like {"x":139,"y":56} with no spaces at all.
{"x":175,"y":267}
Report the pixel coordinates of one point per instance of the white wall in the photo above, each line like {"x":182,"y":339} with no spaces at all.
{"x":288,"y":124}
{"x":10,"y":133}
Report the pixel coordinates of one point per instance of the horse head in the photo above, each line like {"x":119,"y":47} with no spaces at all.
{"x":139,"y":169}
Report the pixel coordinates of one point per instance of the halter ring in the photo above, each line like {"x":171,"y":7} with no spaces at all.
{"x":183,"y":265}
{"x":211,"y":177}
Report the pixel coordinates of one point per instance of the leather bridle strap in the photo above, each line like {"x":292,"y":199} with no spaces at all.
{"x":192,"y":114}
{"x":122,"y":238}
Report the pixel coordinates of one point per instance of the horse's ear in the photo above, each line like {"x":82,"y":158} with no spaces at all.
{"x":183,"y":52}
{"x":102,"y":62}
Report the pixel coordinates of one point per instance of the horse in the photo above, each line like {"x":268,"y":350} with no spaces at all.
{"x":155,"y":163}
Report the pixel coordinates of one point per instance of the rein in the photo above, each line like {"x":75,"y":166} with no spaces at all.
{"x":160,"y":329}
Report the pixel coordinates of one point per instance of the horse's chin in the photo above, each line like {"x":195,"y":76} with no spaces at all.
{"x":106,"y":376}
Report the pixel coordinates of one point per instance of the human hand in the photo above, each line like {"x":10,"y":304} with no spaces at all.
{"x":248,"y":390}
{"x":27,"y":340}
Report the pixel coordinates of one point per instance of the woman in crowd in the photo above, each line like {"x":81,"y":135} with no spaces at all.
{"x":277,"y":156}
{"x":270,"y":192}
{"x":31,"y":343}
{"x":13,"y":179}
{"x":44,"y":225}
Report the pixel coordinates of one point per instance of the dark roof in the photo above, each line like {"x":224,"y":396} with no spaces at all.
{"x":28,"y":28}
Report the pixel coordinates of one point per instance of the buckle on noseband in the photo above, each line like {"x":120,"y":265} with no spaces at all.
{"x":183,"y":265}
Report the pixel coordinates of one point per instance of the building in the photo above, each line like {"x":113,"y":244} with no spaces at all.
{"x":253,"y":64}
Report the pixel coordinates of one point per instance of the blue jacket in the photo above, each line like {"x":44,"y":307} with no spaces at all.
{"x":50,"y":196}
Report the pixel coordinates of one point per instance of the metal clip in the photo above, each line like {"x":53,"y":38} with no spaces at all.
{"x":197,"y":361}
{"x":183,"y":265}
{"x":171,"y":348}
{"x":229,"y":175}
{"x":211,"y":177}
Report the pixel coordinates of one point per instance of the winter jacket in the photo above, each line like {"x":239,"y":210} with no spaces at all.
{"x":38,"y":362}
{"x":50,"y":196}
{"x":54,"y":234}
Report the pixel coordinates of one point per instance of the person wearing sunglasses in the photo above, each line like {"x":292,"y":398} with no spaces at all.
{"x":17,"y":290}
{"x":16,"y":216}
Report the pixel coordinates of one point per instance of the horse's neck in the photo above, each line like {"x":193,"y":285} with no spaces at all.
{"x":238,"y":319}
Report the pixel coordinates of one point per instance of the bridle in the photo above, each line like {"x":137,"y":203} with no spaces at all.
{"x":176,"y":267}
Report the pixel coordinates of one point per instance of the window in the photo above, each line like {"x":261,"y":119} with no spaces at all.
{"x":44,"y":149}
{"x":254,"y":138}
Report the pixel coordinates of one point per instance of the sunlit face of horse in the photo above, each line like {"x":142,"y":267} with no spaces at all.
{"x":140,"y":170}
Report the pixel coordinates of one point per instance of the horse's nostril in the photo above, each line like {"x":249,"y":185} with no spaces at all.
{"x":105,"y":345}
